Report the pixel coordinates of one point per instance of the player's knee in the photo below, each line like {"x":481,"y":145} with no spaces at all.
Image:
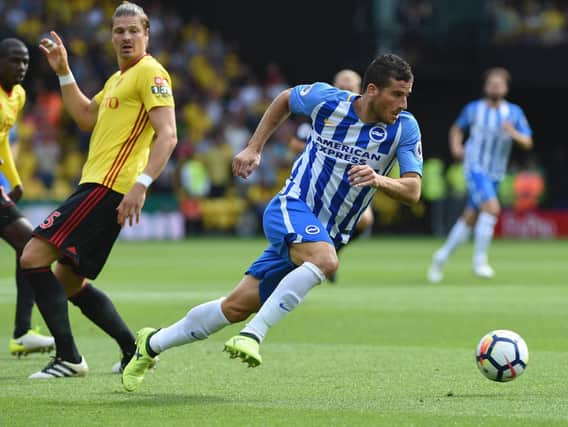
{"x":235,"y":310}
{"x":33,"y":256}
{"x":28,"y":258}
{"x":470,"y":217}
{"x":328,"y":263}
{"x":492,"y":209}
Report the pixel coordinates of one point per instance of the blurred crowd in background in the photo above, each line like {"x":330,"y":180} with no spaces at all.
{"x":219,"y":100}
{"x":530,"y":22}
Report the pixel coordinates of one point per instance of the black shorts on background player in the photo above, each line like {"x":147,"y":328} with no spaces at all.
{"x":84,"y":228}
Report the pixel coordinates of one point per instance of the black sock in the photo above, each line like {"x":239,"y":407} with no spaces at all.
{"x":24,"y":303}
{"x":149,"y":350}
{"x":52,"y":304}
{"x":249,"y":335}
{"x":100,"y":310}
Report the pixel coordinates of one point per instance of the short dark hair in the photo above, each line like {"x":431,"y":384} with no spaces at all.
{"x":6,"y":45}
{"x":503,"y":72}
{"x":127,"y":8}
{"x":386,"y":67}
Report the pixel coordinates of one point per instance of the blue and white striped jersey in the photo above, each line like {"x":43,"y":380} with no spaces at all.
{"x":338,"y":139}
{"x":488,"y":146}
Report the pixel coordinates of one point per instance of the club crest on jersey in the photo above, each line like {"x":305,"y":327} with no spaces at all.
{"x":312,"y":229}
{"x":378,"y":133}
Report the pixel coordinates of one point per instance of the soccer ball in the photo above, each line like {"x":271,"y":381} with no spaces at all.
{"x":502,"y":355}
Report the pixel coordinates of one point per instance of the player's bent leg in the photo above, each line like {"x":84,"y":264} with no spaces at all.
{"x":243,"y":300}
{"x":316,"y":260}
{"x":25,"y":340}
{"x":198,"y":324}
{"x":320,"y":254}
{"x":37,"y":254}
{"x":51,"y":300}
{"x":98,"y":308}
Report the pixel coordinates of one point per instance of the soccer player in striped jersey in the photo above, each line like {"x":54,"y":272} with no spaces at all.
{"x":493,"y":124}
{"x":351,"y":81}
{"x":14,"y":228}
{"x":133,"y":135}
{"x":355,"y":140}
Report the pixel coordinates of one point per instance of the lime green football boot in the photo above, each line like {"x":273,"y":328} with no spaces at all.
{"x":134,"y":371}
{"x":31,"y":342}
{"x":246,"y":348}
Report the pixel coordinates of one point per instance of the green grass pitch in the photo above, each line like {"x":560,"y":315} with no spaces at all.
{"x":382,"y":347}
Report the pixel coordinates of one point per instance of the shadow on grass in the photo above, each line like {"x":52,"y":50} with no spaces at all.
{"x":136,"y":400}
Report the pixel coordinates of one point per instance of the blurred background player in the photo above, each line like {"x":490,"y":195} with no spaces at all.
{"x":493,"y":124}
{"x":316,"y":210}
{"x":345,"y":80}
{"x":14,"y":228}
{"x":133,"y":135}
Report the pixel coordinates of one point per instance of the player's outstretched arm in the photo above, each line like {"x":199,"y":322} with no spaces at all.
{"x":163,"y":121}
{"x":82,"y":109}
{"x":248,"y":160}
{"x":405,"y":189}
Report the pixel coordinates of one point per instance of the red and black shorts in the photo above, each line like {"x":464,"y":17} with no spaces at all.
{"x":84,"y":228}
{"x":8,"y":210}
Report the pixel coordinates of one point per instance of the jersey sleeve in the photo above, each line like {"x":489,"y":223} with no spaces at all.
{"x":521,"y":123}
{"x":304,"y":98}
{"x":155,"y":87}
{"x":99,"y":96}
{"x":409,"y":151}
{"x":464,"y":119}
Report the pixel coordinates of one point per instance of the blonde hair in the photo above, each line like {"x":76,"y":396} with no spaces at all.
{"x":127,"y":8}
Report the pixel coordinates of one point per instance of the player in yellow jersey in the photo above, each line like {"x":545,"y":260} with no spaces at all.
{"x":14,"y":228}
{"x":133,"y":135}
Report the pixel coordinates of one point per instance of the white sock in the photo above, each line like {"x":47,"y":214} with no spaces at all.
{"x":459,"y":234}
{"x":200,"y":322}
{"x":288,"y":294}
{"x":483,"y":234}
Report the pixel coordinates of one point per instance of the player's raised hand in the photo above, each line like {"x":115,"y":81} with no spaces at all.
{"x":55,"y":53}
{"x":246,"y":162}
{"x":362,"y":176}
{"x":130,"y":208}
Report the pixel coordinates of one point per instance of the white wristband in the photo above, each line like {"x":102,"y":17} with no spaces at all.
{"x":67,"y":79}
{"x":144,"y":179}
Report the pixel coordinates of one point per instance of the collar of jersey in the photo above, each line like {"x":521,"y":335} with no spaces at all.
{"x":134,"y":63}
